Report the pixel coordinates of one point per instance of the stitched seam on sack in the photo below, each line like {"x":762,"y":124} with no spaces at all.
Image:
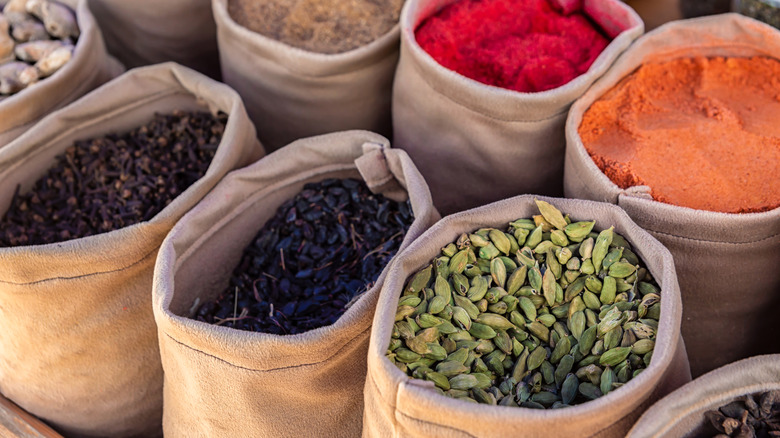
{"x":272,"y":369}
{"x":714,"y":241}
{"x":462,"y":104}
{"x":75,"y":277}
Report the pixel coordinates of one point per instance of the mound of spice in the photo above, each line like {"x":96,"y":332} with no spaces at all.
{"x":320,"y":251}
{"x":701,"y":133}
{"x":323,"y":26}
{"x":112,"y":182}
{"x":546,"y":314}
{"x":37,"y":38}
{"x":526,"y":46}
{"x":752,"y":416}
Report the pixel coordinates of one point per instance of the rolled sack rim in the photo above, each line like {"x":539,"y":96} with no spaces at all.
{"x":608,"y":190}
{"x":302,"y":62}
{"x":630,"y":396}
{"x":502,"y":103}
{"x":134,"y":250}
{"x":709,"y":391}
{"x":313,"y":347}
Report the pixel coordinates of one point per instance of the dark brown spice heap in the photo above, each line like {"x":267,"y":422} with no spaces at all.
{"x":322,"y":249}
{"x":756,"y":415}
{"x":108,"y":183}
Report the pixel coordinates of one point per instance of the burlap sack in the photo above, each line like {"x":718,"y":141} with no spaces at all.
{"x":220,"y":381}
{"x":78,"y":343}
{"x":727,"y":263}
{"x":292,"y":93}
{"x":90,"y":67}
{"x":476,"y":143}
{"x":681,"y":413}
{"x":143,"y":32}
{"x":397,"y":405}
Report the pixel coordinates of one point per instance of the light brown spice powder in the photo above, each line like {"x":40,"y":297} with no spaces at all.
{"x":323,"y":26}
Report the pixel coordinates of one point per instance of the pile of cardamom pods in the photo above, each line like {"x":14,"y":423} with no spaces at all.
{"x":546,"y":314}
{"x":37,"y":38}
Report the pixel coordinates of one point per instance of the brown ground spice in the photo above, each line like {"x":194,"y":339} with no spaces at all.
{"x":324,"y":26}
{"x":702,"y":133}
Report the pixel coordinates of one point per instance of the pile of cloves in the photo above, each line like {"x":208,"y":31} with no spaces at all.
{"x":112,"y":182}
{"x":752,"y":416}
{"x":37,"y":38}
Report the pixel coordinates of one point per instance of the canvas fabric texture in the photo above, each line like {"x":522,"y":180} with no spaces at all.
{"x":681,"y":413}
{"x":143,"y":32}
{"x":90,"y":67}
{"x":221,"y":381}
{"x":726,"y":263}
{"x":292,"y":93}
{"x":476,"y":143}
{"x":397,"y":405}
{"x":78,"y":342}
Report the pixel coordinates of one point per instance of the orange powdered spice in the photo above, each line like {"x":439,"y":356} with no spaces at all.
{"x":702,"y":133}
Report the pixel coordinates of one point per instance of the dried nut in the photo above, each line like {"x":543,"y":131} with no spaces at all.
{"x":54,"y":61}
{"x":29,"y":30}
{"x":59,"y":20}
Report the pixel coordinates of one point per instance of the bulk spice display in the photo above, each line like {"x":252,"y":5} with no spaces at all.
{"x":37,"y":38}
{"x":524,"y":46}
{"x":323,"y":26}
{"x":752,"y":416}
{"x":545,"y":314}
{"x":673,"y":126}
{"x":112,"y":182}
{"x":320,"y":251}
{"x":767,"y":11}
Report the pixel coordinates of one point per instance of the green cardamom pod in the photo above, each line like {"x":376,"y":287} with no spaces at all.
{"x":548,"y":287}
{"x":503,"y":341}
{"x":621,"y":269}
{"x":569,"y":389}
{"x":405,"y":355}
{"x":614,"y":356}
{"x":461,"y":318}
{"x":551,"y":214}
{"x":403,"y":311}
{"x":608,"y":378}
{"x":458,"y":262}
{"x":535,"y":238}
{"x":601,"y":247}
{"x":643,"y":346}
{"x":612,"y":257}
{"x":586,"y":249}
{"x":588,"y":339}
{"x":536,"y":358}
{"x":463,"y":382}
{"x":500,"y":241}
{"x":436,"y":304}
{"x":577,"y":324}
{"x":561,"y":349}
{"x":539,"y":330}
{"x":547,"y":319}
{"x":450,"y":368}
{"x":419,"y":281}
{"x":482,"y":331}
{"x":438,"y":379}
{"x":494,"y":321}
{"x":564,"y":368}
{"x":587,"y":267}
{"x":589,"y":391}
{"x":578,"y":231}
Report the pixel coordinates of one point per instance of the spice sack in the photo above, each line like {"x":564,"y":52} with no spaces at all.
{"x":682,"y":413}
{"x":221,"y":380}
{"x":77,"y":333}
{"x":87,"y":67}
{"x":398,"y":405}
{"x":715,"y":211}
{"x":143,"y":32}
{"x":478,"y":143}
{"x":293,"y":93}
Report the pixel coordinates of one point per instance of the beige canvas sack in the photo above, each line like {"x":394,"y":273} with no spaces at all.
{"x":476,"y":143}
{"x":399,"y":406}
{"x":78,"y":343}
{"x":221,"y":381}
{"x":681,"y":413}
{"x":292,"y":93}
{"x":727,"y":263}
{"x":142,"y":32}
{"x":90,"y":67}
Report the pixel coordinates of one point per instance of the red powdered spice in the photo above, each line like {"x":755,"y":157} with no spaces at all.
{"x":526,"y":46}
